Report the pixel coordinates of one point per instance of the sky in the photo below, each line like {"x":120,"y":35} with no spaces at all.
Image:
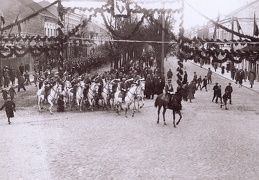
{"x":210,"y":8}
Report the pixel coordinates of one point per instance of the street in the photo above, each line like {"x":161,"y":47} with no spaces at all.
{"x":209,"y":143}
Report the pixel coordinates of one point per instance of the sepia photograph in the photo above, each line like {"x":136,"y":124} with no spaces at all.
{"x":129,"y":89}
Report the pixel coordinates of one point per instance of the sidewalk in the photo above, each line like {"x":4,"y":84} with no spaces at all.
{"x":227,"y":75}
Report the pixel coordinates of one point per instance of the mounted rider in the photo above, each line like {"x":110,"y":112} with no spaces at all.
{"x":48,"y":84}
{"x":74,"y":83}
{"x":123,"y":88}
{"x":168,"y":90}
{"x":87,"y":82}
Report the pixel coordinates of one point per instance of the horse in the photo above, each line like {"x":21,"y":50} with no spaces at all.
{"x":174,"y":103}
{"x":54,"y":92}
{"x":129,"y":99}
{"x":106,"y":94}
{"x":93,"y":90}
{"x":80,"y":94}
{"x":68,"y":94}
{"x":140,"y":94}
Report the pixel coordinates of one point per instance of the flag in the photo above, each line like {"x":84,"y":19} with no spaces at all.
{"x":256,"y":31}
{"x":215,"y":29}
{"x":2,"y":18}
{"x":238,"y":26}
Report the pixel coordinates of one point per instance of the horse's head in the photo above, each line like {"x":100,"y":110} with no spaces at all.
{"x":68,"y":84}
{"x":57,"y":88}
{"x":142,"y":85}
{"x":82,"y":84}
{"x":94,"y":87}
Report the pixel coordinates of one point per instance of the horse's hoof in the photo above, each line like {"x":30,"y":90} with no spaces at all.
{"x":177,"y":123}
{"x":157,"y":122}
{"x":174,"y":126}
{"x":164,"y":123}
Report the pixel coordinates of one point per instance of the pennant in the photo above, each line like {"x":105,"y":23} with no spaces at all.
{"x":2,"y":18}
{"x":256,"y":31}
{"x":215,"y":29}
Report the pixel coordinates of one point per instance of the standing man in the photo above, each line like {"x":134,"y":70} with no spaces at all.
{"x":185,"y":78}
{"x":219,"y":95}
{"x":12,"y":92}
{"x":21,"y":83}
{"x":251,"y":78}
{"x":205,"y":83}
{"x":9,"y":106}
{"x":209,"y":74}
{"x":228,"y":91}
{"x":21,"y":69}
{"x":215,"y":90}
{"x":169,"y":74}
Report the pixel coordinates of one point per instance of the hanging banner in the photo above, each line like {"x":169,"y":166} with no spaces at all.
{"x":120,"y":8}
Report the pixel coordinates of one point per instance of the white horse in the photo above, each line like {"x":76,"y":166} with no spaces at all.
{"x":106,"y":94}
{"x":80,"y":94}
{"x":93,"y":90}
{"x":129,"y":99}
{"x":68,"y":94}
{"x":140,"y":94}
{"x":54,"y":92}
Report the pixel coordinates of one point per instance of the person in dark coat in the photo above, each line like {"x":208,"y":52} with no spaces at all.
{"x":169,"y":74}
{"x":161,"y":85}
{"x":185,"y":78}
{"x":9,"y":106}
{"x":21,"y":69}
{"x":215,"y":91}
{"x":219,"y":95}
{"x":225,"y":97}
{"x":205,"y":83}
{"x":4,"y":94}
{"x":21,"y":81}
{"x":12,"y":75}
{"x":228,"y":91}
{"x":148,"y":86}
{"x":12,"y":92}
{"x":61,"y":104}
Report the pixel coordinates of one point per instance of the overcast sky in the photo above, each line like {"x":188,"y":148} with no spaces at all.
{"x":210,"y":8}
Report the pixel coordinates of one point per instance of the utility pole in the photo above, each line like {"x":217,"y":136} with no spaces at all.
{"x":163,"y":39}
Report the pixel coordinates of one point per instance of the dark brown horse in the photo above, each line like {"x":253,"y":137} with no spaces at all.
{"x":174,"y":103}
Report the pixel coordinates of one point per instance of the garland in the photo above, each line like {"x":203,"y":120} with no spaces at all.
{"x":135,"y":29}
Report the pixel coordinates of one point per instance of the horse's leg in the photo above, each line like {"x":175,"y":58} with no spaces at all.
{"x":164,"y":110}
{"x":134,"y":110}
{"x":142,"y":100}
{"x":80,"y":104}
{"x":126,"y":110}
{"x":180,"y":114}
{"x":51,"y":105}
{"x":174,"y":118}
{"x":39,"y":103}
{"x":158,"y":112}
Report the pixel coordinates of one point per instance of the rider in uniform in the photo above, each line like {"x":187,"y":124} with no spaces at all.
{"x":47,"y":87}
{"x":87,"y":82}
{"x":168,"y":90}
{"x":123,"y":89}
{"x":74,"y":83}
